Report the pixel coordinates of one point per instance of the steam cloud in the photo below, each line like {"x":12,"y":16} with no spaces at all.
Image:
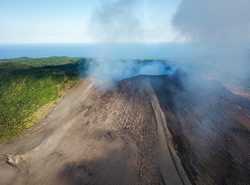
{"x":117,"y":21}
{"x":222,"y":28}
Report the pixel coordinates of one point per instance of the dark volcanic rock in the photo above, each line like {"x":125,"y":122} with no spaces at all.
{"x":211,"y":130}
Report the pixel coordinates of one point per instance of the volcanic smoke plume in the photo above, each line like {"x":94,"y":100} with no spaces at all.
{"x":106,"y":72}
{"x":116,"y":21}
{"x":222,"y":28}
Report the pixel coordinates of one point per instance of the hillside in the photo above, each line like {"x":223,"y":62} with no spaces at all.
{"x":146,"y":130}
{"x":30,"y":87}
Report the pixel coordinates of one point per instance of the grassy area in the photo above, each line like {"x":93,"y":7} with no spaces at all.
{"x":29,"y":87}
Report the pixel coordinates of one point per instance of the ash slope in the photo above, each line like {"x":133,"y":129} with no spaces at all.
{"x":136,"y":133}
{"x":211,"y":129}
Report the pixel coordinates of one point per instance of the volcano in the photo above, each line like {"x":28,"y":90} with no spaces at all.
{"x":145,"y":130}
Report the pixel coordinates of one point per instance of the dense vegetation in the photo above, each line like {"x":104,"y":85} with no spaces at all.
{"x":29,"y":87}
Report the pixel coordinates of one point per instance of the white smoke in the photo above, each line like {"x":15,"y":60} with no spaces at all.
{"x":219,"y":29}
{"x":222,"y":29}
{"x":116,"y":21}
{"x":120,"y":21}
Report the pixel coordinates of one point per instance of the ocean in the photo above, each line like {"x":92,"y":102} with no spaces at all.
{"x":124,"y":51}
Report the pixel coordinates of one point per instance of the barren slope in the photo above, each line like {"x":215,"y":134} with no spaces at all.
{"x":211,"y":129}
{"x":135,"y":133}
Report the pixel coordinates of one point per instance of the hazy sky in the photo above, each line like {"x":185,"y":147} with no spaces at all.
{"x":78,"y":21}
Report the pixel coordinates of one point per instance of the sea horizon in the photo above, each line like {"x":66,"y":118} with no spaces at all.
{"x":94,"y":50}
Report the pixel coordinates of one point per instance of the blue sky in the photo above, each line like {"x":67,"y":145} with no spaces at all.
{"x":69,"y":21}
